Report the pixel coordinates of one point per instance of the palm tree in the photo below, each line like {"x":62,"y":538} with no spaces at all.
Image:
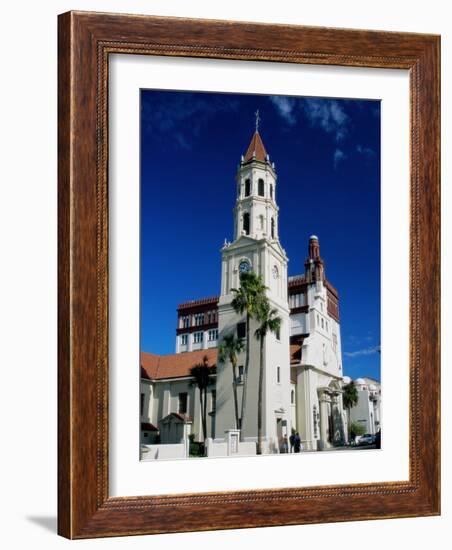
{"x":349,"y":399}
{"x":228,"y":350}
{"x":269,"y":322}
{"x":202,"y":378}
{"x":247,"y":299}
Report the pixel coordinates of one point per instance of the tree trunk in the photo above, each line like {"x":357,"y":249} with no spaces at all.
{"x":349,"y":432}
{"x":234,"y":388}
{"x":260,"y":396}
{"x":204,"y":419}
{"x":245,"y":376}
{"x":202,"y":414}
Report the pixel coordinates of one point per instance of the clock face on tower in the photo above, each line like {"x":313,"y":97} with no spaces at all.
{"x":275,"y":271}
{"x":244,"y":266}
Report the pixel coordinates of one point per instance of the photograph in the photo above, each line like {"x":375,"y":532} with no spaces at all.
{"x":260,"y":261}
{"x":248,"y":272}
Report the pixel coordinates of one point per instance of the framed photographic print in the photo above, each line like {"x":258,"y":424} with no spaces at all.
{"x":248,"y":275}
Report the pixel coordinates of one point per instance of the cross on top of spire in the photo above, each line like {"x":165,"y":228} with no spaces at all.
{"x":256,"y":149}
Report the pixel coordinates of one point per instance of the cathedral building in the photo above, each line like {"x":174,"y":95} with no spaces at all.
{"x":302,"y":384}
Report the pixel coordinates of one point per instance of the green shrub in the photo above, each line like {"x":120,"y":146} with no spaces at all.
{"x":196,"y":448}
{"x":357,"y":428}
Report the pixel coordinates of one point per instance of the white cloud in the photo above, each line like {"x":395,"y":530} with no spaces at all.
{"x":285,"y":107}
{"x":181,"y":117}
{"x":328,"y":115}
{"x":338,"y":157}
{"x":366,"y":351}
{"x":366,"y":151}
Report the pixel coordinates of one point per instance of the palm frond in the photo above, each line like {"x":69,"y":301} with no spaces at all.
{"x":268,"y":318}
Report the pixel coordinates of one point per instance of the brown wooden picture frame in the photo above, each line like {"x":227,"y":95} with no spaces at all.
{"x":85,"y":42}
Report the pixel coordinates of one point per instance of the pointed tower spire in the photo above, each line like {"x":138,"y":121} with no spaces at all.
{"x":256,"y":149}
{"x":314,"y":266}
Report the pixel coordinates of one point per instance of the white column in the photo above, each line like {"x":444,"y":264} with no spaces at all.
{"x":166,"y":400}
{"x":323,"y":421}
{"x":238,"y":222}
{"x":223,"y":277}
{"x":232,"y":440}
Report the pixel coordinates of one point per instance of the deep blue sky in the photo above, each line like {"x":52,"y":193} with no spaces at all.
{"x":327,"y":156}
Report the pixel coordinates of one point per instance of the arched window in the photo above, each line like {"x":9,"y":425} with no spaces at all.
{"x":260,"y":188}
{"x":273,"y":228}
{"x":246,"y":223}
{"x":271,"y":191}
{"x":247,"y":187}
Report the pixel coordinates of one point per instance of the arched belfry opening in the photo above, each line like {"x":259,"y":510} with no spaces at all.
{"x":246,"y":223}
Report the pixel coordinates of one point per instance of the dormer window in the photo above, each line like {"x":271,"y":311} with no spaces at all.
{"x":247,"y":187}
{"x":260,"y":188}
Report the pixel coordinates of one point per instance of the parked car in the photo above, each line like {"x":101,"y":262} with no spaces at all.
{"x":366,"y":439}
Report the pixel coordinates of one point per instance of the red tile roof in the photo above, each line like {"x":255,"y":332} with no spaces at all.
{"x":296,"y":280}
{"x":213,"y":300}
{"x":256,"y":149}
{"x":175,"y":365}
{"x":182,"y":417}
{"x":147,"y":427}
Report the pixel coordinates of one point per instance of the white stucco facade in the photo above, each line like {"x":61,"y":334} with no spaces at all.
{"x":366,"y":412}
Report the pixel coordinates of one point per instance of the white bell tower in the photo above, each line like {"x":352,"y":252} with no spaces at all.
{"x":256,"y":212}
{"x":256,"y":247}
